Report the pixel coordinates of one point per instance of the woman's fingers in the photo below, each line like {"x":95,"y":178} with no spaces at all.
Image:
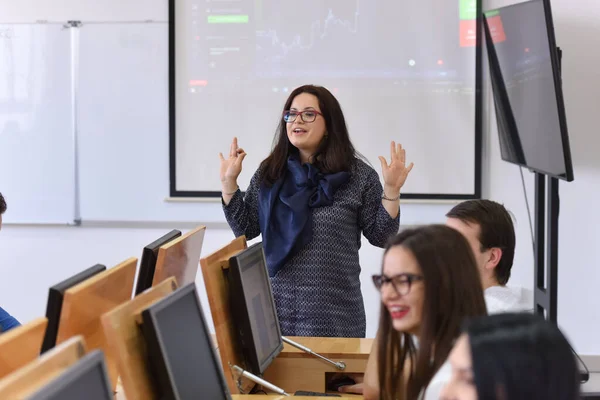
{"x":233,"y":148}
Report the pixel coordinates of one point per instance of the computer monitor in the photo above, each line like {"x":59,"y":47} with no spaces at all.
{"x":253,"y":308}
{"x":525,"y":74}
{"x":180,"y":350}
{"x":148,"y":263}
{"x":87,"y":379}
{"x":55,"y":302}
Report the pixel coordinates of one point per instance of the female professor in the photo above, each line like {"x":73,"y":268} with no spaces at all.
{"x":310,"y":199}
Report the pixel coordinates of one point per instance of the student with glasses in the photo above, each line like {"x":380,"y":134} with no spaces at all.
{"x":311,"y":199}
{"x":424,"y":300}
{"x":7,"y":321}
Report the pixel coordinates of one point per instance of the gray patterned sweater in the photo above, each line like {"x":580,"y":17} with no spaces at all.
{"x":317,"y":292}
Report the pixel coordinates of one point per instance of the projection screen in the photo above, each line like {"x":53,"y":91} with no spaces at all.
{"x":404,"y":71}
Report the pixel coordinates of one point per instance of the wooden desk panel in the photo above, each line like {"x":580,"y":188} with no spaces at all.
{"x":334,"y":347}
{"x":279,"y":397}
{"x":180,"y":258}
{"x":121,"y":396}
{"x":21,"y":345}
{"x":295,"y":369}
{"x":85,"y":303}
{"x":217,"y":290}
{"x":127,"y":342}
{"x":30,"y":378}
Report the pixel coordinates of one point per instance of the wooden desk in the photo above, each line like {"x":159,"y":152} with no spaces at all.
{"x":336,"y":347}
{"x":279,"y":397}
{"x":295,"y":370}
{"x":121,"y":396}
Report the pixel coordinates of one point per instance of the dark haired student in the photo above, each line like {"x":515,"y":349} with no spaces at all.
{"x":311,"y":199}
{"x":489,"y":229}
{"x":6,"y":320}
{"x":512,"y":356}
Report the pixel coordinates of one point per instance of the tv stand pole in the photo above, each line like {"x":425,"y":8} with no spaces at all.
{"x":339,"y":364}
{"x":546,"y":254}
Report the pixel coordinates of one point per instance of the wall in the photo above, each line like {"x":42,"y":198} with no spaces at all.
{"x":33,"y":258}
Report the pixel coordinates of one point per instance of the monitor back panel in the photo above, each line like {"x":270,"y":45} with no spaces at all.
{"x":55,"y":301}
{"x":148,"y":262}
{"x":180,"y":258}
{"x":84,"y":305}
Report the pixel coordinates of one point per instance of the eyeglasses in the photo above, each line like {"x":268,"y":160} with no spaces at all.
{"x":401,"y":282}
{"x":306,"y":115}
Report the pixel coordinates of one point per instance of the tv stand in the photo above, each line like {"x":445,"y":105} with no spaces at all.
{"x":546,"y":254}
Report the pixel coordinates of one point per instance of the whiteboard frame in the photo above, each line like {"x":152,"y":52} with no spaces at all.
{"x":75,"y":219}
{"x":188,"y":195}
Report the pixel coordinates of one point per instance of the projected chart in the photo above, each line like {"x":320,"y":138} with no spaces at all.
{"x":249,"y":41}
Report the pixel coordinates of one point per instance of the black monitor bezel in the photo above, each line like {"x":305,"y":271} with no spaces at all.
{"x":93,"y":359}
{"x":239,"y":310}
{"x":55,"y":301}
{"x":556,"y":71}
{"x":156,"y":349}
{"x":148,"y":261}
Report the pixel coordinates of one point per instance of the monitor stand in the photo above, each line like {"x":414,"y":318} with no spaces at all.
{"x":339,"y":364}
{"x":547,"y":207}
{"x":243,"y":373}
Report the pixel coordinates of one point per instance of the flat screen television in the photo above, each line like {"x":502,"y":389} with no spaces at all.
{"x":180,"y":350}
{"x":86,"y":379}
{"x":149,"y":258}
{"x":525,"y":75}
{"x":253,"y":309}
{"x":55,"y":302}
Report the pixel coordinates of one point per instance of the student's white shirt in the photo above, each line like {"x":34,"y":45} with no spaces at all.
{"x":437,"y":383}
{"x":498,"y":299}
{"x":502,"y":299}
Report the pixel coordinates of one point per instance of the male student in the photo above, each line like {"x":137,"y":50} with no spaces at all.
{"x":489,"y":229}
{"x":6,"y":320}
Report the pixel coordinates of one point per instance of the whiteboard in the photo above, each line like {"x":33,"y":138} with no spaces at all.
{"x":124,"y":124}
{"x":36,"y":135}
{"x":123,"y":120}
{"x":81,"y":10}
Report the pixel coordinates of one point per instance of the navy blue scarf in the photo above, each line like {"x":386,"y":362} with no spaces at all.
{"x":285,"y":214}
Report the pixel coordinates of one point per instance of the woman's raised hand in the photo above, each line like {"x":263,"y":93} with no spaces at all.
{"x":395,"y":173}
{"x":231,"y":167}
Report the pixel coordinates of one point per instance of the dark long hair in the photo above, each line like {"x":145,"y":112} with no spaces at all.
{"x":452,"y":292}
{"x":336,"y":153}
{"x":521,"y":356}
